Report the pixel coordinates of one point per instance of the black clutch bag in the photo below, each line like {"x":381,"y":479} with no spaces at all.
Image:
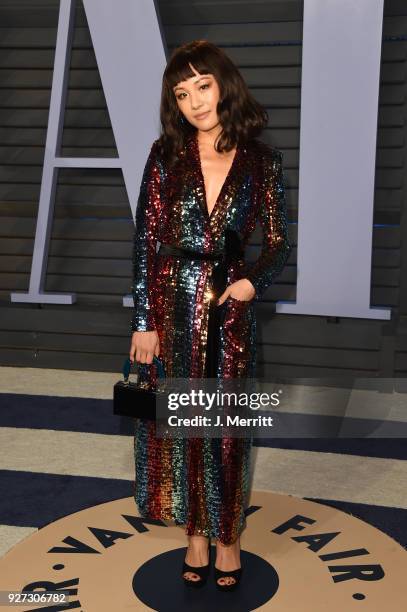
{"x":136,"y":399}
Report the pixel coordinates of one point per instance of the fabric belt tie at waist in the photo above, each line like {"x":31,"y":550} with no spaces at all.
{"x":170,"y":249}
{"x":233,"y":251}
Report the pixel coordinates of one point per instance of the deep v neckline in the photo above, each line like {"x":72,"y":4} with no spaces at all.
{"x":225,"y":183}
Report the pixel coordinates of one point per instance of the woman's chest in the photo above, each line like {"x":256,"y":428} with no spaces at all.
{"x":187,"y":220}
{"x":215,"y":169}
{"x":213,"y":191}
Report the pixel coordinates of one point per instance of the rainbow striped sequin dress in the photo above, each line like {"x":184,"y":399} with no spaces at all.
{"x":202,"y":483}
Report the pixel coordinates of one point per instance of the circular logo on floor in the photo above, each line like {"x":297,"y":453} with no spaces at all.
{"x":296,"y":555}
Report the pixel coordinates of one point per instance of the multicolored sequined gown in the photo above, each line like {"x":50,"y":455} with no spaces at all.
{"x":201,"y":482}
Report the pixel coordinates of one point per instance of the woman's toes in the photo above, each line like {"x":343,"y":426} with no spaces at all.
{"x":226,"y":580}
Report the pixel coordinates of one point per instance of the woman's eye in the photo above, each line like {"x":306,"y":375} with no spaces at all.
{"x":204,"y":85}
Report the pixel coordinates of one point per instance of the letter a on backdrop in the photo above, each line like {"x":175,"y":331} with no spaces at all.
{"x":131,"y":58}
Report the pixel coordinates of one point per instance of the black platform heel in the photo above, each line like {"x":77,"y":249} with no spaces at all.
{"x":202,"y":571}
{"x":236,"y":574}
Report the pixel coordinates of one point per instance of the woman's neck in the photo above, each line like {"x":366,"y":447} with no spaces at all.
{"x":208,"y":137}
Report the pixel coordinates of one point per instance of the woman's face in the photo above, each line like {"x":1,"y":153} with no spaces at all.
{"x":199,"y":95}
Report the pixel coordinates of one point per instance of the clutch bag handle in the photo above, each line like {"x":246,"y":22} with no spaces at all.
{"x":127,"y":367}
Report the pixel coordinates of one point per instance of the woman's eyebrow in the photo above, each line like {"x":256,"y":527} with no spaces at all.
{"x":195,"y":82}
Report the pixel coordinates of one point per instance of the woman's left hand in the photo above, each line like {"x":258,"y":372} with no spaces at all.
{"x":241,"y":290}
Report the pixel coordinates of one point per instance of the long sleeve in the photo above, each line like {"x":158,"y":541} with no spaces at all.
{"x":145,"y":243}
{"x":272,"y":209}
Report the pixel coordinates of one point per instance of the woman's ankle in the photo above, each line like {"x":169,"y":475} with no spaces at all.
{"x":228,"y":554}
{"x":198,"y":538}
{"x":198,"y":543}
{"x":229,"y":546}
{"x":197,"y":552}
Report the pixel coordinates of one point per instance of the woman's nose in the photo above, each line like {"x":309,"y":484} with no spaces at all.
{"x":195,"y":103}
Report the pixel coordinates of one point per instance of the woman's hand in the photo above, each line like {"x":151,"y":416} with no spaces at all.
{"x":241,"y":290}
{"x":144,"y":345}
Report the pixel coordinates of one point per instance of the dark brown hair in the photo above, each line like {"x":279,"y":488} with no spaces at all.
{"x":241,"y":116}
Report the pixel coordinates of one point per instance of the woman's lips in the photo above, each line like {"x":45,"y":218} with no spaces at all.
{"x":202,"y":116}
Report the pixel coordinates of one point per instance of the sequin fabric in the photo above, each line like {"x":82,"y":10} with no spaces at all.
{"x":201,"y":483}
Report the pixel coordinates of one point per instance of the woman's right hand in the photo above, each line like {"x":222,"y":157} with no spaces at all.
{"x":144,"y":345}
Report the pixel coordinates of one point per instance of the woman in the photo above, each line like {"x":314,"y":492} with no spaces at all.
{"x":206,"y":182}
